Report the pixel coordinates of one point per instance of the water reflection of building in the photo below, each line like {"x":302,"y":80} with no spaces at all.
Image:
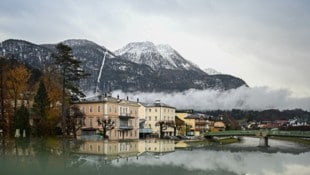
{"x":156,"y":146}
{"x":110,"y":148}
{"x":124,"y":149}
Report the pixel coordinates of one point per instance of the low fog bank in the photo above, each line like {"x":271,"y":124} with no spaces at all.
{"x":256,"y":98}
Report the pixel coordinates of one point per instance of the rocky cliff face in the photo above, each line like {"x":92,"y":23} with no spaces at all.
{"x":140,"y":66}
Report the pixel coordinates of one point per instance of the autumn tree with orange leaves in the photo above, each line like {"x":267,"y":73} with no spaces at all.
{"x":17,"y":84}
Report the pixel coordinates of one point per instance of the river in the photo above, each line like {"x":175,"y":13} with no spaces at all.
{"x":152,"y":156}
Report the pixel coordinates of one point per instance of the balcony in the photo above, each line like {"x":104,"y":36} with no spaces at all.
{"x":125,"y":127}
{"x":145,"y":130}
{"x":126,"y":116}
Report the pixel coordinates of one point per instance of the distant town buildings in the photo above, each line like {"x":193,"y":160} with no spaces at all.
{"x":122,"y":119}
{"x":280,"y":124}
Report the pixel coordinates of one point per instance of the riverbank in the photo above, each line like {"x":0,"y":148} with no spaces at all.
{"x":207,"y":142}
{"x":293,"y":139}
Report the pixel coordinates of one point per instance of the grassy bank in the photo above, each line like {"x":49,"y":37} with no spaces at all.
{"x":225,"y":141}
{"x":205,"y":142}
{"x":293,"y":139}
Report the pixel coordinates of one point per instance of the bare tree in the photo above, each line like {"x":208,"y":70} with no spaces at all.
{"x":107,"y":125}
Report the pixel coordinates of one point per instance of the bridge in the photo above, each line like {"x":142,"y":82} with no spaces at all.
{"x":262,"y":134}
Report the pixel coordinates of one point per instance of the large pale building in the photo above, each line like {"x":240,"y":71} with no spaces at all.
{"x":122,"y":113}
{"x":159,"y":113}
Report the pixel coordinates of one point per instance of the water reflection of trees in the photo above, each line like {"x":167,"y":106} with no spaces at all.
{"x":44,"y":151}
{"x":38,"y":154}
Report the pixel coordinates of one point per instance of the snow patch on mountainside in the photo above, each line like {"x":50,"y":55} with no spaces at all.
{"x":166,"y":52}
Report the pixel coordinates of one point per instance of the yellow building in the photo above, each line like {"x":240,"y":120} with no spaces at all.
{"x":159,"y":113}
{"x":185,"y":129}
{"x":145,"y":130}
{"x":122,"y":113}
{"x":196,"y":124}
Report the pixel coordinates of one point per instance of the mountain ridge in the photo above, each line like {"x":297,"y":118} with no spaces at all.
{"x":151,"y":71}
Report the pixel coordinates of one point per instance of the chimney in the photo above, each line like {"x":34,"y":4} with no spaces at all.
{"x":137,"y":100}
{"x":117,"y":96}
{"x":127,"y":98}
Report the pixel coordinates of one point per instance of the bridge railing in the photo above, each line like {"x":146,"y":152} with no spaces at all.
{"x":290,"y":133}
{"x":260,"y":133}
{"x":232,"y":133}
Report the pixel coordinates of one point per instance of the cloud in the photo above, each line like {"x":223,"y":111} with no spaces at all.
{"x":263,"y":42}
{"x":256,"y":98}
{"x":248,"y":163}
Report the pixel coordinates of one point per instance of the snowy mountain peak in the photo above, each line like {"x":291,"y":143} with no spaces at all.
{"x":211,"y":71}
{"x":160,"y":56}
{"x":137,"y":48}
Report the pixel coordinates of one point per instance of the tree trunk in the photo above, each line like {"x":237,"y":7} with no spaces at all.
{"x":161,"y":131}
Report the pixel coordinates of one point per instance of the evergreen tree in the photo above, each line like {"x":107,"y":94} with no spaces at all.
{"x":41,"y":101}
{"x":21,"y":120}
{"x":71,"y":72}
{"x":40,"y":107}
{"x":75,"y":120}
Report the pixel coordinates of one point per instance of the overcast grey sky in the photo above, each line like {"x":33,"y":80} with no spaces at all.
{"x":264,"y":42}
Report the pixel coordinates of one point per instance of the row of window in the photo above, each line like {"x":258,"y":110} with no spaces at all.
{"x":157,"y":118}
{"x":165,"y":110}
{"x":91,"y":109}
{"x":123,"y":110}
{"x":127,"y":111}
{"x":93,"y":121}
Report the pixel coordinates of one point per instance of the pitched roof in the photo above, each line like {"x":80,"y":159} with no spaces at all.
{"x":197,"y":116}
{"x":157,"y":104}
{"x":107,"y":98}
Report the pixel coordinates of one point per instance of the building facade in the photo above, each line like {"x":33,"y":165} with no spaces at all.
{"x":122,"y":114}
{"x":159,"y":115}
{"x":199,"y":124}
{"x":196,"y":124}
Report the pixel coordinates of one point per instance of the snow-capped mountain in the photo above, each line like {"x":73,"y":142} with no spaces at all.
{"x":211,"y":71}
{"x":140,"y":66}
{"x":156,"y":56}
